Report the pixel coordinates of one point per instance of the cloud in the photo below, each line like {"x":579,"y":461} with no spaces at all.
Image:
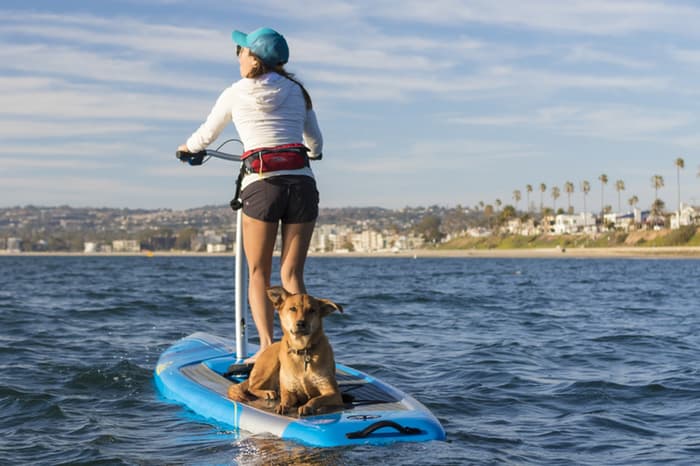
{"x":590,"y":54}
{"x":162,"y":41}
{"x":593,"y":17}
{"x":617,"y":122}
{"x":57,"y":99}
{"x":687,"y":56}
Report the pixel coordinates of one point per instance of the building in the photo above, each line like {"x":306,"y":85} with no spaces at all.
{"x":567,"y":224}
{"x":688,"y":216}
{"x":216,"y":247}
{"x":14,"y":244}
{"x":126,"y":245}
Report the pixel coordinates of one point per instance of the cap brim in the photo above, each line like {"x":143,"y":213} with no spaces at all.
{"x":240,"y":38}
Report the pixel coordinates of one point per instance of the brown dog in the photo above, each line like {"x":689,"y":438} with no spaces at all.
{"x":301,"y":366}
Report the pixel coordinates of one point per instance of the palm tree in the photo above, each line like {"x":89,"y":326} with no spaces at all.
{"x":498,"y":204}
{"x":619,"y":187}
{"x":585,"y":189}
{"x":657,"y":212}
{"x":555,"y":195}
{"x":569,"y":189}
{"x":517,"y":197}
{"x":528,"y":190}
{"x":680,"y":164}
{"x":657,"y":181}
{"x":488,"y":213}
{"x":543,"y":189}
{"x":632,"y":201}
{"x":603,"y":181}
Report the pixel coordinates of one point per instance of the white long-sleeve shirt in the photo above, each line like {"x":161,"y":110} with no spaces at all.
{"x":267,"y":111}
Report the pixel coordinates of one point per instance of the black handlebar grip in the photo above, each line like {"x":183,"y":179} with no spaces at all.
{"x":193,"y":158}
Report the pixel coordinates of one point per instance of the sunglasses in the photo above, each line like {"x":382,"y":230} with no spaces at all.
{"x":238,"y":50}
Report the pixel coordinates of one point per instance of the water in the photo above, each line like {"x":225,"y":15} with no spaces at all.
{"x":524,"y":361}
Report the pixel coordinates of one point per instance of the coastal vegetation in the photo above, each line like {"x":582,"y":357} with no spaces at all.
{"x":684,"y":236}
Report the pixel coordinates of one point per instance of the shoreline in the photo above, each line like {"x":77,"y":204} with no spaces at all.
{"x":661,"y":252}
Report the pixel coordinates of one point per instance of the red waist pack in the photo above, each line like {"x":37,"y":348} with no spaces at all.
{"x":270,"y":159}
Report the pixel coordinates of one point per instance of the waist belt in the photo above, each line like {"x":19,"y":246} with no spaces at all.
{"x":270,"y":159}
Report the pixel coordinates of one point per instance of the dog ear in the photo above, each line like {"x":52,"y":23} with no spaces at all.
{"x":277,"y":295}
{"x":328,"y":306}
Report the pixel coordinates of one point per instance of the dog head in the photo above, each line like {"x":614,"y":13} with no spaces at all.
{"x":301,"y":315}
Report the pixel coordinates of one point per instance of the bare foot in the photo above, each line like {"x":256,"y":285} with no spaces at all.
{"x":251,"y":359}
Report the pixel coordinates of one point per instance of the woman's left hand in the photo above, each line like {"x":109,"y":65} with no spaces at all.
{"x":183,"y":148}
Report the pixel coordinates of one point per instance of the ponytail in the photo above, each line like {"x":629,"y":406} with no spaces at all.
{"x":282,"y":72}
{"x":261,"y":68}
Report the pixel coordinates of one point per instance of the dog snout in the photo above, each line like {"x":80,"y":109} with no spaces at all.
{"x":301,"y":324}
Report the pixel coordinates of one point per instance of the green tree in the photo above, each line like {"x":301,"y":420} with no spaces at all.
{"x":569,"y":190}
{"x":680,"y":164}
{"x":585,"y":189}
{"x":632,"y":201}
{"x":429,"y":228}
{"x":488,"y":213}
{"x":183,"y":240}
{"x":517,"y":196}
{"x":657,"y":182}
{"x":528,"y":190}
{"x":657,"y":212}
{"x":455,"y":220}
{"x":543,"y":189}
{"x":619,"y":187}
{"x":507,"y":213}
{"x":603,"y":181}
{"x":556,"y":193}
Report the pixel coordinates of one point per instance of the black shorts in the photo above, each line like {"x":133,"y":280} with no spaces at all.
{"x":289,"y":198}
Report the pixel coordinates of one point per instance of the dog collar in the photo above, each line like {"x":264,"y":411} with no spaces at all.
{"x":306,"y":353}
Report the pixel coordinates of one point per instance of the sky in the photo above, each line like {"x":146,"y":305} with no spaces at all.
{"x":421,"y":103}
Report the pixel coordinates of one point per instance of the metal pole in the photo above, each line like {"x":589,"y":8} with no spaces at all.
{"x":240,"y":290}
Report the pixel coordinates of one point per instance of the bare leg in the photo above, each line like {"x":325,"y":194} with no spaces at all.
{"x":259,"y":242}
{"x":296,"y":238}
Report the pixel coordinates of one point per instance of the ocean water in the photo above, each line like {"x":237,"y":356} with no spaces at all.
{"x":523,"y":361}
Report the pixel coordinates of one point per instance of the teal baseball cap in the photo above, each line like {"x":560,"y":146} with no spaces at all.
{"x":266,"y":44}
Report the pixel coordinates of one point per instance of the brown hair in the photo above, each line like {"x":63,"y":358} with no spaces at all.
{"x":261,"y":68}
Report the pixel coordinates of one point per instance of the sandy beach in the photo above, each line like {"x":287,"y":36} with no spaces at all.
{"x":611,"y":252}
{"x":666,"y":252}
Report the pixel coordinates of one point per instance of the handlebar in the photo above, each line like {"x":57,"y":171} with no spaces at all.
{"x":197,"y":158}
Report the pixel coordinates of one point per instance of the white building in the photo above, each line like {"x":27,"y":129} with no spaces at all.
{"x":14,"y":244}
{"x":565,"y":224}
{"x":126,"y":245}
{"x":688,"y":216}
{"x":368,"y":241}
{"x":216,"y":247}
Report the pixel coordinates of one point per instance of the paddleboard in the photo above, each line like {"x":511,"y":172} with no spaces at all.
{"x":198,"y":370}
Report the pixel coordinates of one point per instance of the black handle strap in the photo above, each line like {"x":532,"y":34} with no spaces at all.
{"x":367,"y":431}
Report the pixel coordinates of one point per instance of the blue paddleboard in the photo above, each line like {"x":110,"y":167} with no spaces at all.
{"x":198,"y":370}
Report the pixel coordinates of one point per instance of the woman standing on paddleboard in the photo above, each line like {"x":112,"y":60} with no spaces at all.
{"x":274,"y":118}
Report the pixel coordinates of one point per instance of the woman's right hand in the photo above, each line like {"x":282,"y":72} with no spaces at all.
{"x":183,"y":148}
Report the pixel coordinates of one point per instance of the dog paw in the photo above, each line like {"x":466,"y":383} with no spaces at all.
{"x":282,"y":409}
{"x":269,"y":395}
{"x":306,"y":410}
{"x":234,"y":393}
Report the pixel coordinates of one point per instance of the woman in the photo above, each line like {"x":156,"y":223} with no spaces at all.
{"x":271,"y":111}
